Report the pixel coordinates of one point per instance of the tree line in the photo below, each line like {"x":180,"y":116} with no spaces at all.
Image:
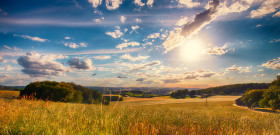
{"x":264,"y":97}
{"x":63,"y":92}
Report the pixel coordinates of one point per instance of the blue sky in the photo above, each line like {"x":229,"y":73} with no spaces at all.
{"x":140,"y":43}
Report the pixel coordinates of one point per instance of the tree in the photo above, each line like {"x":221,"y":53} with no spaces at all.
{"x":51,"y":90}
{"x":271,"y":99}
{"x":89,"y":96}
{"x":252,"y":97}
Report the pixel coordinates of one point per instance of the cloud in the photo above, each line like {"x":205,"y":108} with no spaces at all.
{"x":31,"y":38}
{"x":14,"y":48}
{"x":267,"y":7}
{"x":67,"y":38}
{"x":104,"y":57}
{"x":182,"y":21}
{"x":124,"y":45}
{"x":116,"y":34}
{"x":105,"y":69}
{"x":93,"y":74}
{"x":96,"y":11}
{"x":8,"y":68}
{"x":239,"y":69}
{"x":95,"y":3}
{"x":173,"y":40}
{"x":259,"y":75}
{"x":178,"y":35}
{"x":104,"y":51}
{"x":276,"y":14}
{"x":129,"y":57}
{"x":217,"y":50}
{"x":201,"y":19}
{"x":199,"y":74}
{"x":154,"y":35}
{"x":2,"y":60}
{"x":139,"y":3}
{"x":259,"y":25}
{"x":138,"y":20}
{"x":122,"y":77}
{"x":141,"y":67}
{"x":171,"y":80}
{"x":135,"y":27}
{"x":229,"y":78}
{"x":140,"y":79}
{"x":235,"y":7}
{"x":260,"y":70}
{"x":37,"y":65}
{"x":275,"y":41}
{"x":189,"y":3}
{"x":123,"y":18}
{"x":99,"y":20}
{"x":74,"y":45}
{"x":81,"y":65}
{"x":150,"y":3}
{"x":2,"y":12}
{"x":113,"y":4}
{"x":273,"y":64}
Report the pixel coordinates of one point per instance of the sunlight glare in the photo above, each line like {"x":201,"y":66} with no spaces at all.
{"x":191,"y":50}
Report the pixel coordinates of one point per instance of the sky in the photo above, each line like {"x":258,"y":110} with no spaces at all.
{"x":140,"y":43}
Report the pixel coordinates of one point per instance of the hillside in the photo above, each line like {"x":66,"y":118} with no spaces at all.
{"x":235,"y":89}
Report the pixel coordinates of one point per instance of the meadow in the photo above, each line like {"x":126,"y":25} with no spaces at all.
{"x":8,"y":94}
{"x":164,"y":116}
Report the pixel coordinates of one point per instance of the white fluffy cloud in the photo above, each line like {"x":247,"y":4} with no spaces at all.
{"x":129,"y":57}
{"x":199,"y":74}
{"x":81,"y":65}
{"x":37,"y":65}
{"x":135,"y":27}
{"x":31,"y":38}
{"x":99,"y":20}
{"x":154,"y":35}
{"x":139,"y":3}
{"x":217,"y":50}
{"x":150,"y":3}
{"x":239,"y":69}
{"x":95,"y":3}
{"x":123,"y":18}
{"x":67,"y":38}
{"x":102,"y":57}
{"x":138,"y":20}
{"x":273,"y":64}
{"x":124,"y":45}
{"x":189,"y":3}
{"x":182,"y":21}
{"x":113,"y":4}
{"x":267,"y":7}
{"x":74,"y":45}
{"x":116,"y":34}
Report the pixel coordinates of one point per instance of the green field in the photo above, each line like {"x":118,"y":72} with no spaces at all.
{"x":161,"y":116}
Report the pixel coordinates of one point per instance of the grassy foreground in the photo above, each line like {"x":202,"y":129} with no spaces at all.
{"x":220,"y":117}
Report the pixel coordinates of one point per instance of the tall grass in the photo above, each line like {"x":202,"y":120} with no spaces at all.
{"x":40,"y":117}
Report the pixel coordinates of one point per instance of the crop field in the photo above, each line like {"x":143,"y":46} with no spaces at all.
{"x":8,"y":93}
{"x":161,"y":116}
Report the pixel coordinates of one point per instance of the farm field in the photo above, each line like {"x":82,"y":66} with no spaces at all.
{"x":8,"y":93}
{"x":161,"y":116}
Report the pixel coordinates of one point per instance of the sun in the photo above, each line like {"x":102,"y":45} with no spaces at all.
{"x":191,"y":50}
